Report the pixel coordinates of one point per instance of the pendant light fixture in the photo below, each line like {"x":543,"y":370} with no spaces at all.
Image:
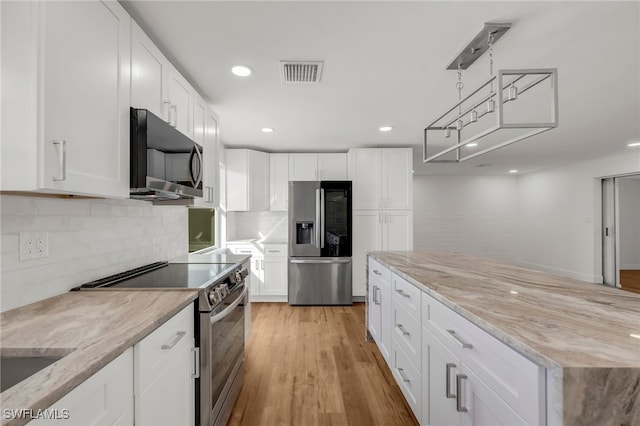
{"x":496,"y":114}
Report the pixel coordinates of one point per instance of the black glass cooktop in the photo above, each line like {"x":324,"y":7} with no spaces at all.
{"x":172,"y":275}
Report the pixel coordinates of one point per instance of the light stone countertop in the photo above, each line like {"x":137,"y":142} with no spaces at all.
{"x":93,"y":327}
{"x":581,"y":332}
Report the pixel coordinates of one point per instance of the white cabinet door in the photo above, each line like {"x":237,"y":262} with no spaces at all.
{"x":332,"y":166}
{"x":439,"y":370}
{"x":278,"y":182}
{"x":397,"y":178}
{"x":237,"y":179}
{"x":86,"y":96}
{"x":149,"y":74}
{"x":364,"y":172}
{"x":303,"y":167}
{"x":164,"y":368}
{"x":106,"y":398}
{"x":275,"y":276}
{"x":258,"y":181}
{"x":199,"y":117}
{"x":397,"y":230}
{"x":181,"y":103}
{"x":480,"y":406}
{"x":366,"y":237}
{"x":211,"y":161}
{"x":374,"y":305}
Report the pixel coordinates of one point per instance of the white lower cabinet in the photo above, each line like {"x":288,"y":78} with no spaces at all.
{"x":380,"y":310}
{"x":267,"y":279}
{"x":106,"y":398}
{"x":450,"y":371}
{"x":275,"y":272}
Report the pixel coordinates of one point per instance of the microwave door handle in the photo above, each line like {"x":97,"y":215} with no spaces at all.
{"x":195,"y":180}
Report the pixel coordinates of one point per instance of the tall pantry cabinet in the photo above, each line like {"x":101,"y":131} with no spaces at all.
{"x":382,"y":205}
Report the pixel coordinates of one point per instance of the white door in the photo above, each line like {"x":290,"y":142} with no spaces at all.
{"x":397,"y":230}
{"x":303,"y":167}
{"x":439,"y":404}
{"x":86,"y":95}
{"x":181,"y":99}
{"x":397,"y":178}
{"x":278,"y":182}
{"x":332,"y":166}
{"x":149,"y":77}
{"x":275,"y":276}
{"x":365,"y":173}
{"x":609,"y":269}
{"x":366,"y":237}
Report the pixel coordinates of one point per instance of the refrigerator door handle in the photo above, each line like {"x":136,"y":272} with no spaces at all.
{"x":323,"y":260}
{"x":322,"y":201}
{"x":318,"y":210}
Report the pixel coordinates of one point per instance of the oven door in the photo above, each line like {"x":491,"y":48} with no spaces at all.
{"x":221,"y":356}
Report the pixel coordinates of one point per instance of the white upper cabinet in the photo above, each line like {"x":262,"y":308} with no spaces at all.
{"x":180,"y":100}
{"x":279,"y":182}
{"x":303,"y":167}
{"x":149,"y":74}
{"x":330,"y":166}
{"x":382,"y":178}
{"x":66,"y":117}
{"x":205,"y":126}
{"x":247,"y":180}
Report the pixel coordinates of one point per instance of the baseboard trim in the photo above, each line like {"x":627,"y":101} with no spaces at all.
{"x":597,"y":279}
{"x":632,"y":267}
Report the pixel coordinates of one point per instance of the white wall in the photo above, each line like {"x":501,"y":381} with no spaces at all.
{"x":559,"y":216}
{"x":629,"y":222}
{"x":88,"y":239}
{"x":471,"y":214}
{"x":259,"y":225}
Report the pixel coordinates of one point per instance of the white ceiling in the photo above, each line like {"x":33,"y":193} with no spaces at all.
{"x":384,"y":64}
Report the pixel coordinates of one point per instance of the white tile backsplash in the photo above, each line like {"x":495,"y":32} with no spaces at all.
{"x":248,"y":225}
{"x":88,"y":239}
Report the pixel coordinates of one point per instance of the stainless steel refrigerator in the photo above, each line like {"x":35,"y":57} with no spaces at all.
{"x":320,"y":243}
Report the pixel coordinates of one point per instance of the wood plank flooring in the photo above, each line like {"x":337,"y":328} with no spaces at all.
{"x":630,"y":280}
{"x":308,"y":366}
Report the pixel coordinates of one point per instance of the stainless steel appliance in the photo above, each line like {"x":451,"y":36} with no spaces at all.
{"x":220,"y":325}
{"x":319,"y":268}
{"x":165,"y":165}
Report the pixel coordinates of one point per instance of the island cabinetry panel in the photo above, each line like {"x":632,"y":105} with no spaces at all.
{"x":379,"y":307}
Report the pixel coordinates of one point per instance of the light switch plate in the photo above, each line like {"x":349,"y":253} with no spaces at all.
{"x":34,"y":245}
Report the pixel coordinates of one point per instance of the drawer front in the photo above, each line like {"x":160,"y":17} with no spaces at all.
{"x":406,"y":333}
{"x":279,"y":250}
{"x":241,"y":249}
{"x":406,"y":295}
{"x":513,"y":377}
{"x":161,"y":346}
{"x":378,"y":272}
{"x":409,"y":380}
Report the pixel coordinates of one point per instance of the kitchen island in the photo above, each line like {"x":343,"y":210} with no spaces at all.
{"x":584,"y":337}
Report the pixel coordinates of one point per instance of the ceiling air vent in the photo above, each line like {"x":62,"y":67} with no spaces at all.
{"x":295,"y":72}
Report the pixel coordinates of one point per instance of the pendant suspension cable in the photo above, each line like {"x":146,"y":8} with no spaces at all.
{"x":491,"y":105}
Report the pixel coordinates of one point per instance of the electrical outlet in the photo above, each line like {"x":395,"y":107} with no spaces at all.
{"x":34,"y":245}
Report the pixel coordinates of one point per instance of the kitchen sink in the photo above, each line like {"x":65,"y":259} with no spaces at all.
{"x":14,"y":369}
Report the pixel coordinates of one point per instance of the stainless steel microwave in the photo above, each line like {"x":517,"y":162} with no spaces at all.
{"x":165,"y":164}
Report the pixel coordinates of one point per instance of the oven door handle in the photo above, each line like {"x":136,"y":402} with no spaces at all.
{"x":217,"y":317}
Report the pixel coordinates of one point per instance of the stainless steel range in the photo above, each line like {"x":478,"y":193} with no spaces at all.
{"x":219,"y":325}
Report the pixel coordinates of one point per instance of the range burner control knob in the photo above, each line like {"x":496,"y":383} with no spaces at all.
{"x":215,"y":296}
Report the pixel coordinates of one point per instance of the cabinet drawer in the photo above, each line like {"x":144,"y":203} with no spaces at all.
{"x":378,"y":271}
{"x":161,"y":346}
{"x":406,"y":295}
{"x":408,"y":378}
{"x":513,"y":377}
{"x":279,"y":250}
{"x":406,"y":333}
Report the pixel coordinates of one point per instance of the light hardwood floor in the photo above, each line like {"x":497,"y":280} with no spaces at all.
{"x":630,"y":280}
{"x":308,"y":366}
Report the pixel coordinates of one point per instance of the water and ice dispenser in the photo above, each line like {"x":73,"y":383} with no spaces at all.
{"x":305,"y":233}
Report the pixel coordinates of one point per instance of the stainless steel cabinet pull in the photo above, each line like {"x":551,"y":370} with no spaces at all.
{"x":166,"y":106}
{"x":376,"y":290}
{"x":173,"y":121}
{"x":448,"y":393}
{"x":196,"y":355}
{"x":464,"y":344}
{"x":459,"y":407}
{"x":404,"y":376}
{"x":375,"y":271}
{"x":402,"y":330}
{"x":60,"y":145}
{"x":262,"y":264}
{"x":402,"y":293}
{"x":179,"y":336}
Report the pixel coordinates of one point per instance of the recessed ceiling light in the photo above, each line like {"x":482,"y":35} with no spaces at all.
{"x":471,"y":144}
{"x":242,"y":70}
{"x":513,"y":171}
{"x":386,"y":128}
{"x":637,"y":336}
{"x":634,"y":144}
{"x":267,"y":130}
